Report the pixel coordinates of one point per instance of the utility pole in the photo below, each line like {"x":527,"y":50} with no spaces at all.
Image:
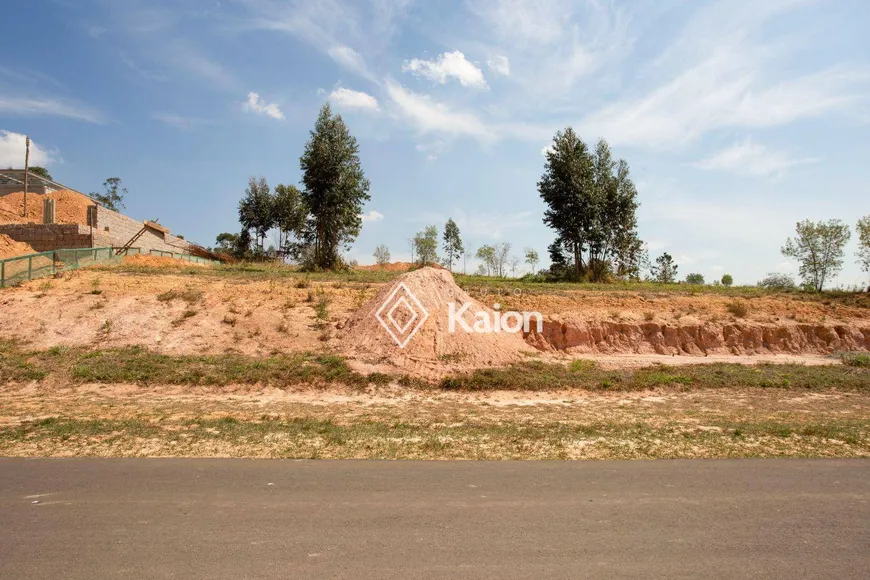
{"x":26,"y":168}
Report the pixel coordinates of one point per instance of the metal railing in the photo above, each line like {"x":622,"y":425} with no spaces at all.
{"x":14,"y":271}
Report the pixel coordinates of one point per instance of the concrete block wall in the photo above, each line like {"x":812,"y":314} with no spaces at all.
{"x":45,"y":237}
{"x":115,"y":229}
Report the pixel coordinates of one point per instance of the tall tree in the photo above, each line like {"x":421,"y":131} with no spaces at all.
{"x":592,"y":205}
{"x":863,"y":229}
{"x":288,"y":213}
{"x":113,"y":198}
{"x":335,"y":189}
{"x":532,"y":258}
{"x":818,"y":248}
{"x":256,"y":209}
{"x":426,"y":246}
{"x":452,"y":243}
{"x":382,"y":255}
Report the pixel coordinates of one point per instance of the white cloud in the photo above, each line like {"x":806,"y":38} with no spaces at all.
{"x":258,"y":105}
{"x":450,"y":64}
{"x":179,"y":121}
{"x":429,"y":116}
{"x":12,"y":151}
{"x":499,"y":65}
{"x":372,"y":216}
{"x":349,"y":59}
{"x":725,"y":71}
{"x":525,"y":21}
{"x":349,"y":99}
{"x":47,"y":107}
{"x":432,"y":150}
{"x":750,"y":158}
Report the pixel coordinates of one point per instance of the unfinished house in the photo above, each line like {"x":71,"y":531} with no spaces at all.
{"x":53,"y":216}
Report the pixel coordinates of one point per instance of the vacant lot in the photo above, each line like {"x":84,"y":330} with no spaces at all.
{"x":247,"y":362}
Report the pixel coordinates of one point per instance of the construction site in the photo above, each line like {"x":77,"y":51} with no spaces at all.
{"x":42,"y":215}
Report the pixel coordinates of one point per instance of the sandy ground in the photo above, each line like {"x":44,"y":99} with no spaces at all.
{"x":388,"y":422}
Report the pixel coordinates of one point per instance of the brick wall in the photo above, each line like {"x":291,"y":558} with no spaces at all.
{"x":115,"y":229}
{"x":43,"y":238}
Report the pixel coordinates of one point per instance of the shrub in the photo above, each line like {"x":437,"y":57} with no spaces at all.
{"x":695,"y":278}
{"x":737,"y":308}
{"x":727,"y":280}
{"x":775,"y":281}
{"x":856,"y":359}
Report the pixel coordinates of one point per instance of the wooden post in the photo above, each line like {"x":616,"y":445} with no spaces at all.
{"x":26,"y":168}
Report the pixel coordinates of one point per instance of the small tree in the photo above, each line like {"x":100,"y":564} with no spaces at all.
{"x":695,"y":278}
{"x":532,"y":258}
{"x":242,"y":245}
{"x":288,"y":213}
{"x":486,"y":255}
{"x":113,"y":199}
{"x":256,"y":209}
{"x":467,"y":252}
{"x":426,"y":245}
{"x":502,"y":251}
{"x":40,"y":171}
{"x":226,"y":242}
{"x":727,"y":280}
{"x":665,"y":271}
{"x":514,"y":263}
{"x":452,"y":243}
{"x":382,"y":255}
{"x":863,"y":229}
{"x":775,"y":281}
{"x":818,"y":248}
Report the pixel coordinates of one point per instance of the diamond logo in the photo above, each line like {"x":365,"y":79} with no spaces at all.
{"x":401,"y":315}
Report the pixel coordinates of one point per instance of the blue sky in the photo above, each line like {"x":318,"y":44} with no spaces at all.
{"x":737,"y":118}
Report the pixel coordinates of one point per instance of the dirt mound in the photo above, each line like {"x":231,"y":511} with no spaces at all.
{"x":581,"y":336}
{"x":433,"y":348}
{"x":394,"y":267}
{"x":9,"y":248}
{"x":70,"y":207}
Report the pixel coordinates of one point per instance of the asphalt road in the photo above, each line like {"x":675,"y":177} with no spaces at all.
{"x":180,"y":518}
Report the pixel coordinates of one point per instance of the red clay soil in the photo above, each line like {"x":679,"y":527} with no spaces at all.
{"x":9,"y":248}
{"x":70,"y":207}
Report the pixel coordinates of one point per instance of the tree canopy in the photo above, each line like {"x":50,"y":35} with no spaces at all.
{"x":452,"y":243}
{"x":426,"y":246}
{"x":113,"y":198}
{"x":592,"y":204}
{"x":256,"y":209}
{"x":818,"y":249}
{"x":335,"y":189}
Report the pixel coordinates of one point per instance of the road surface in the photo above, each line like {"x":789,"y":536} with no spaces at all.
{"x":183,"y":518}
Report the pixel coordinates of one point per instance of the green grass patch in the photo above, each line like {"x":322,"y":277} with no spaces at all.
{"x":138,"y":365}
{"x":539,"y":376}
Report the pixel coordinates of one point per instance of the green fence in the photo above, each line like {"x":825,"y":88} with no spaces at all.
{"x":16,"y":270}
